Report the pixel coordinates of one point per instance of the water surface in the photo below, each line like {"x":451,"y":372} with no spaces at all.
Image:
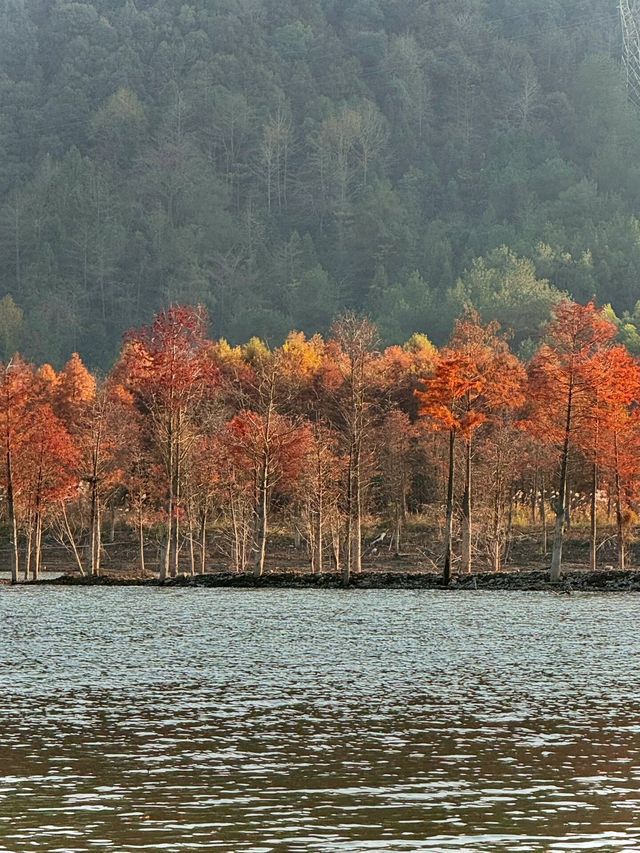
{"x":237,"y":720}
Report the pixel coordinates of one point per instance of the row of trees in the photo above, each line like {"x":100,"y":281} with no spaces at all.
{"x":189,"y":438}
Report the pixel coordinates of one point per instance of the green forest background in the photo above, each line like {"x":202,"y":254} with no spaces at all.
{"x":281,"y":160}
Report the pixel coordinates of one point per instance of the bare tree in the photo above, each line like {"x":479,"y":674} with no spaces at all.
{"x":357,"y":338}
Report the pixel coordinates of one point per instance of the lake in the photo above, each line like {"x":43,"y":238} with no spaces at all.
{"x":236,"y":720}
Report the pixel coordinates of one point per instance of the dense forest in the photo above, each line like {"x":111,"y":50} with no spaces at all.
{"x":280,"y":160}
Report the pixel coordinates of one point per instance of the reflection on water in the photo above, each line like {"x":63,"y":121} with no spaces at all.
{"x":169,"y":720}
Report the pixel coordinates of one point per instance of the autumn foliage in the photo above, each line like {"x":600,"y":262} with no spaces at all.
{"x":193,"y":447}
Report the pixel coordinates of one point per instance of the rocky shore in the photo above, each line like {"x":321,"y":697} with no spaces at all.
{"x":520,"y":581}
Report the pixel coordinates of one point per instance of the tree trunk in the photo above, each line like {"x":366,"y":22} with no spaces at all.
{"x":71,"y":538}
{"x":192,"y":552}
{"x":534,"y":497}
{"x":346,"y":568}
{"x":397,"y":528}
{"x":448,"y":531}
{"x":466,"y":511}
{"x":262,"y":522}
{"x":319,"y":526}
{"x":96,"y":511}
{"x":497,"y":516}
{"x":621,"y":546}
{"x":37,"y":553}
{"x":236,"y":534}
{"x":13,"y":522}
{"x":356,"y":564}
{"x":95,"y":527}
{"x":593,"y":546}
{"x":312,"y":550}
{"x":297,"y":538}
{"x":264,"y":485}
{"x":244,"y":538}
{"x":165,"y":554}
{"x":176,"y":522}
{"x":543,"y":515}
{"x":98,"y":537}
{"x":561,"y":506}
{"x":335,"y":545}
{"x":29,"y":547}
{"x":165,"y":561}
{"x":203,"y":543}
{"x":508,"y":539}
{"x":558,"y":538}
{"x":141,"y":540}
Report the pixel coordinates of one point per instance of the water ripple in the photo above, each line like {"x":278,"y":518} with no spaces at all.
{"x":230,"y":720}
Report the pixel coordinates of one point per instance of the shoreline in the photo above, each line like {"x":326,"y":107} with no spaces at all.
{"x":605,"y":580}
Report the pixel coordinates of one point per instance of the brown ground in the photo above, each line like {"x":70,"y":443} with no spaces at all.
{"x":421,"y":552}
{"x":419,"y":564}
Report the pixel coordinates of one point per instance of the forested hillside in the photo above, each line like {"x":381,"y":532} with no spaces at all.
{"x":279,"y":160}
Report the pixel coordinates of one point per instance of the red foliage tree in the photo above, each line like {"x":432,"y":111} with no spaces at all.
{"x":272,"y":448}
{"x":476,"y":379}
{"x":45,"y":473}
{"x":16,"y":391}
{"x":563,"y":383}
{"x":168,"y":369}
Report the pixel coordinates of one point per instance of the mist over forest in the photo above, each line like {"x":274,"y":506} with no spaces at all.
{"x":279,"y":161}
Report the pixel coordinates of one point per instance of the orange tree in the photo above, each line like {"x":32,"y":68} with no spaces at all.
{"x":16,"y":391}
{"x":564,"y":377}
{"x":168,"y":369}
{"x":476,"y":378}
